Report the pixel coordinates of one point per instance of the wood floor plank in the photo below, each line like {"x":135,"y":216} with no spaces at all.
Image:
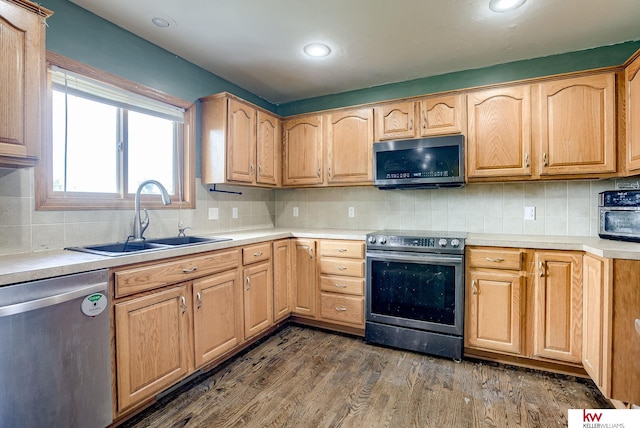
{"x":303,"y":377}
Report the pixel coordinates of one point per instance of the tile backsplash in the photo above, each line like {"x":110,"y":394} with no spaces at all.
{"x":561,"y":208}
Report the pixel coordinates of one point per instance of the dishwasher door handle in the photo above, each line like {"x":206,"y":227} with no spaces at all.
{"x":33,"y":304}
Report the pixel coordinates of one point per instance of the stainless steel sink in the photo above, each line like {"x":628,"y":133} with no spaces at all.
{"x":123,"y":248}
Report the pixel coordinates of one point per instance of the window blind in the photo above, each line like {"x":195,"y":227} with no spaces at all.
{"x":75,"y":84}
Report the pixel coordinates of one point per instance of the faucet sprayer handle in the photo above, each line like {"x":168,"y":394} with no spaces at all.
{"x":181,"y":230}
{"x":144,"y":223}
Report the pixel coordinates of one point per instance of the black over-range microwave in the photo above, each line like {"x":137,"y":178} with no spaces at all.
{"x":421,"y":163}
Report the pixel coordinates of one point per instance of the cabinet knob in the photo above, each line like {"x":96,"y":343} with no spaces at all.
{"x":248,"y":284}
{"x":637,"y":326}
{"x":474,"y":287}
{"x":199,"y":298}
{"x":183,"y":300}
{"x":526,"y":160}
{"x":544,"y":159}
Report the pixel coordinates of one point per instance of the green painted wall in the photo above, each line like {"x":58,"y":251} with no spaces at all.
{"x":78,"y":34}
{"x":605,"y":56}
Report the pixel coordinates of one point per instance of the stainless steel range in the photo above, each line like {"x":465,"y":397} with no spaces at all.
{"x":415,"y":291}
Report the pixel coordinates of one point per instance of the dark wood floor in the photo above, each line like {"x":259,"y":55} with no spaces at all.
{"x":302,"y":377}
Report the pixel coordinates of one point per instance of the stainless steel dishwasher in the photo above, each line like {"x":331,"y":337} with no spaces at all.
{"x":55,"y":366}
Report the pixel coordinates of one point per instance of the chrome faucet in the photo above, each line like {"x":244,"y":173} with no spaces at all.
{"x":140,"y":225}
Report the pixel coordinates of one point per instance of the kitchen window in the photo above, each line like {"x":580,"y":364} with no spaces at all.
{"x":106,"y":135}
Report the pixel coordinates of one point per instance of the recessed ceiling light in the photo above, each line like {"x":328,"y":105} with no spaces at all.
{"x":160,"y":22}
{"x":505,"y":5}
{"x":317,"y":49}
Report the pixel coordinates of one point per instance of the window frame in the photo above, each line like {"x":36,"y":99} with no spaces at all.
{"x":48,"y":199}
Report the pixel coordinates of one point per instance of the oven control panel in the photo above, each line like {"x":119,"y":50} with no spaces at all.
{"x":387,"y":240}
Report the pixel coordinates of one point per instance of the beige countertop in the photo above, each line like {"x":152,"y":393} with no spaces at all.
{"x":33,"y":266}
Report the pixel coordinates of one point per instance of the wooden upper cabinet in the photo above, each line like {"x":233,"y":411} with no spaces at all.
{"x":268,"y":149}
{"x":395,"y":121}
{"x":499,"y":132}
{"x":349,"y":144}
{"x":577,"y":125}
{"x":442,"y":115}
{"x":633,"y":115}
{"x":303,"y":161}
{"x":557,"y":306}
{"x":241,"y":142}
{"x":22,"y":82}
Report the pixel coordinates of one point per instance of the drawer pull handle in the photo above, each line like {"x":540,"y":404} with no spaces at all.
{"x":193,"y":269}
{"x":341,"y":308}
{"x":341,"y":267}
{"x":544,"y":160}
{"x":199,"y":297}
{"x":342,"y":250}
{"x":494,"y":260}
{"x":184,"y":304}
{"x":541,"y":269}
{"x":258,"y":254}
{"x":310,"y":253}
{"x":340,"y":285}
{"x":474,"y":287}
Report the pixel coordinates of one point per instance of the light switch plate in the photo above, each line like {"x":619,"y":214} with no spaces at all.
{"x":352,"y":212}
{"x":234,"y":212}
{"x":213,"y":214}
{"x":295,"y":211}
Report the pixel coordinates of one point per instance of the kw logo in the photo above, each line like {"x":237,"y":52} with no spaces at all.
{"x":590,"y":417}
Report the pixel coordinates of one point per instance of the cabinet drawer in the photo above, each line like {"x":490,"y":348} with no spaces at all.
{"x":496,"y":258}
{"x":339,"y":284}
{"x":348,"y":249}
{"x":150,"y":276}
{"x":346,"y":309}
{"x":342,"y":267}
{"x":256,"y":253}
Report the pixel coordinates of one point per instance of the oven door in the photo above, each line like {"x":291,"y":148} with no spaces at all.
{"x":416,"y":290}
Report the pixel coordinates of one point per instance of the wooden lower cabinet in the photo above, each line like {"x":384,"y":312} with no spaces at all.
{"x":282,"y":279}
{"x":152,"y":344}
{"x":304,"y":277}
{"x":557,"y":306}
{"x":341,"y":287}
{"x":258,"y":298}
{"x":217,"y":315}
{"x":494,"y":311}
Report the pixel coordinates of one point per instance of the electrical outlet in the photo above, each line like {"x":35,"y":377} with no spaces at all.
{"x":213,"y":214}
{"x":352,"y":212}
{"x":529,"y":213}
{"x":295,"y":211}
{"x":234,"y":212}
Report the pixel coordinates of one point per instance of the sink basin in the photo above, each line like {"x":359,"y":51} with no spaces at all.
{"x":186,"y":240}
{"x":123,"y":248}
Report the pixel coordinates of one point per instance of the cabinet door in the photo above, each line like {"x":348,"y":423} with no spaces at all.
{"x":151,"y":344}
{"x":303,"y":161}
{"x":258,"y":299}
{"x":558,"y":306}
{"x":304,"y":277}
{"x":395,"y":121}
{"x":633,"y":115}
{"x":442,"y":115}
{"x":499,"y":132}
{"x":241,"y":142}
{"x":577,"y":125}
{"x":596,"y":337}
{"x":282,"y":281}
{"x":22,"y":67}
{"x":349,"y":146}
{"x":217,"y":315}
{"x":494,"y":316}
{"x":268,"y":149}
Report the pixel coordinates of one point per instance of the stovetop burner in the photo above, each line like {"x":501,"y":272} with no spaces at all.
{"x":417,"y":241}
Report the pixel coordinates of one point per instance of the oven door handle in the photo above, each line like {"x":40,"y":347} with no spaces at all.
{"x":414,"y":257}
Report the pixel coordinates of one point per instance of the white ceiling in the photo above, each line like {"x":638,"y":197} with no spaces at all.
{"x":257,"y":44}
